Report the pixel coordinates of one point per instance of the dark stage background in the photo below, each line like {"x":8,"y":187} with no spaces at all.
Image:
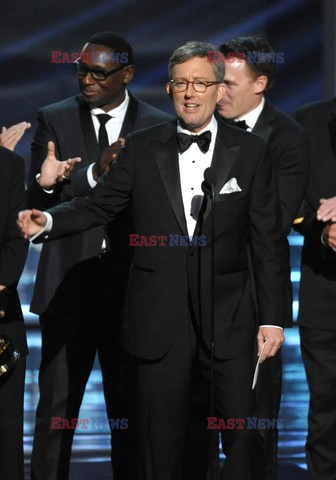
{"x":30,"y":31}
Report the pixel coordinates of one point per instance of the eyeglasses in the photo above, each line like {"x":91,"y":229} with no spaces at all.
{"x":99,"y":75}
{"x":199,"y":87}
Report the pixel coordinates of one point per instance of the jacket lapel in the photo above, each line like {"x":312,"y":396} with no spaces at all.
{"x":166,"y":156}
{"x":130,"y":117}
{"x":263,"y":128}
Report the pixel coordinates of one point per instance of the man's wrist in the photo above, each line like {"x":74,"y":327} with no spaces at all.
{"x":44,"y":230}
{"x":46,"y":188}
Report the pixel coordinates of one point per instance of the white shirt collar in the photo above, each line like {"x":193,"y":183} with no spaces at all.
{"x":252,"y":116}
{"x":115,"y":112}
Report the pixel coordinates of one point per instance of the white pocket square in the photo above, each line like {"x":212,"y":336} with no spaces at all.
{"x":231,"y":186}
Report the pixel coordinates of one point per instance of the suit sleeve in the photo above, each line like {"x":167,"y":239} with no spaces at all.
{"x":292,"y":162}
{"x":269,"y":247}
{"x":14,"y":248}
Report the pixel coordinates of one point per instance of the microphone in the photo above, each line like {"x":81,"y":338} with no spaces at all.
{"x":210,"y":180}
{"x":208,"y":187}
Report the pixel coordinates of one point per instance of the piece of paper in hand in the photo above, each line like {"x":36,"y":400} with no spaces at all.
{"x":256,"y":371}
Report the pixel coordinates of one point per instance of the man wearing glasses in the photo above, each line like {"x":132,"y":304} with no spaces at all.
{"x":166,"y":329}
{"x":80,"y":283}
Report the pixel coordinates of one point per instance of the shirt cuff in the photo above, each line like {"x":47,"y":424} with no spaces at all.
{"x":46,"y":229}
{"x":92,"y":182}
{"x":271,"y":326}
{"x":47,"y":191}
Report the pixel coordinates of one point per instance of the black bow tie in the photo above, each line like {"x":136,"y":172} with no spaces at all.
{"x":203,"y":141}
{"x":240,"y":124}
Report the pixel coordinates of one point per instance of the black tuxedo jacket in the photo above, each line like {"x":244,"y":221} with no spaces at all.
{"x":68,"y":123}
{"x":289,"y":146}
{"x":318,"y":267}
{"x":167,"y":281}
{"x":13,"y":248}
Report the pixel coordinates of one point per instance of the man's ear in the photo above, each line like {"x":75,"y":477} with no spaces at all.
{"x":260,"y":84}
{"x":128,"y":73}
{"x":168,"y":89}
{"x":220,"y":91}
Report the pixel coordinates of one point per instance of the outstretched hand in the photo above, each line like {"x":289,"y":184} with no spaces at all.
{"x":53,"y":170}
{"x":31,"y":222}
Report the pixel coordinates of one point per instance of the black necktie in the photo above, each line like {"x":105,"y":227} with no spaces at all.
{"x":203,"y":141}
{"x":102,"y":134}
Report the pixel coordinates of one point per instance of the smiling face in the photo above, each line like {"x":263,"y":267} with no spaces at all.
{"x":243,"y":92}
{"x":109,"y":93}
{"x":194,"y":109}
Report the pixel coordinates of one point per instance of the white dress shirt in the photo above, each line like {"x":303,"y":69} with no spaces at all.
{"x":192,"y":164}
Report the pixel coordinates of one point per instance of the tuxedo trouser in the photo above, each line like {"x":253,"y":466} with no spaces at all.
{"x":267,"y":406}
{"x":162,"y":400}
{"x":11,"y":422}
{"x":83,"y":319}
{"x":318,"y":348}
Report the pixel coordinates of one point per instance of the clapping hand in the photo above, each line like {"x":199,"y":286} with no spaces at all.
{"x":9,"y":137}
{"x":53,"y":170}
{"x":106,"y":158}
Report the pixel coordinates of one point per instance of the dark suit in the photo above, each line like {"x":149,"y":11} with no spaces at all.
{"x":166,"y":325}
{"x":317,"y":311}
{"x":72,"y":284}
{"x":289,"y":147}
{"x":13,"y":251}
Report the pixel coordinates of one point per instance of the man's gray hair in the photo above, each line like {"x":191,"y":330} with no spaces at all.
{"x":197,"y":49}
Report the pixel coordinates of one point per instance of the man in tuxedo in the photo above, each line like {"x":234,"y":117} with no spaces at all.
{"x":317,"y":306}
{"x":166,"y":328}
{"x":13,"y":251}
{"x":77,"y":275}
{"x":250,"y":73}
